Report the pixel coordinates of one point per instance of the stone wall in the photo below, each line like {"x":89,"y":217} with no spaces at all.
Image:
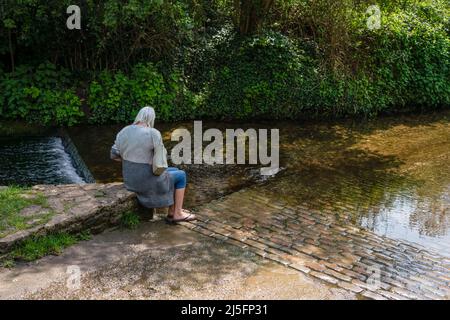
{"x":75,"y":208}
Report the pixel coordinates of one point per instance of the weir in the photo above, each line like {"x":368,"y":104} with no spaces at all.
{"x":49,"y":158}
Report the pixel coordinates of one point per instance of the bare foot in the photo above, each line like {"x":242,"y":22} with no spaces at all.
{"x":183,"y":215}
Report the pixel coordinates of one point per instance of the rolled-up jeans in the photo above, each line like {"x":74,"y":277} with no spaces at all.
{"x":178,"y":177}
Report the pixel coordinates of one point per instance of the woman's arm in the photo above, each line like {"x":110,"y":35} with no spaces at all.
{"x":115,"y":154}
{"x":115,"y":150}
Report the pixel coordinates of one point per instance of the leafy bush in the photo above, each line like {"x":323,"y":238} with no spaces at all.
{"x":262,"y":76}
{"x":117,"y":97}
{"x":411,"y":61}
{"x":319,"y":59}
{"x":115,"y":33}
{"x":403,"y":65}
{"x":39,"y":95}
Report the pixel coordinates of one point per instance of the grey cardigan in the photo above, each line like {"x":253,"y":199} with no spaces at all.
{"x":134,"y":145}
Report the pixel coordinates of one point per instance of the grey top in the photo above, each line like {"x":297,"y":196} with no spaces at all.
{"x":134,"y":145}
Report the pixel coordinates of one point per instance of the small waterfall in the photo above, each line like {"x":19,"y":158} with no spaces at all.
{"x":36,"y":160}
{"x":63,"y":163}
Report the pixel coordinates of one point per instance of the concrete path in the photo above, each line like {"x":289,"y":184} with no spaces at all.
{"x":158,"y":261}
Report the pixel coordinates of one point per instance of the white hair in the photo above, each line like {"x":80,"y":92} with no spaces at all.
{"x":146,"y":116}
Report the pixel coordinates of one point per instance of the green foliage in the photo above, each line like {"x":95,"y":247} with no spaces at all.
{"x":411,"y":62}
{"x":115,"y":33}
{"x":185,"y":58}
{"x":258,"y":77}
{"x":84,"y":236}
{"x":404,"y":65}
{"x":7,"y":263}
{"x":129,"y":220}
{"x":39,"y":95}
{"x":37,"y":247}
{"x":117,"y":97}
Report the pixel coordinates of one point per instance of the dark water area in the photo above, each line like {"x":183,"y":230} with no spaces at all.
{"x":205,"y":182}
{"x":29,"y":161}
{"x":390,"y":175}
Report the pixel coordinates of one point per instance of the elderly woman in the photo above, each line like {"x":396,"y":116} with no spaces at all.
{"x":134,"y":147}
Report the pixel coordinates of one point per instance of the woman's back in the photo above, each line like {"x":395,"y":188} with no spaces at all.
{"x":136,"y":144}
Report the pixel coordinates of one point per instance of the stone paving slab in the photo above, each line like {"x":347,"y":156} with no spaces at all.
{"x":90,"y":207}
{"x":317,"y":244}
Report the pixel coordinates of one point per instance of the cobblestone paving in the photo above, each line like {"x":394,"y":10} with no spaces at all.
{"x":314,"y":242}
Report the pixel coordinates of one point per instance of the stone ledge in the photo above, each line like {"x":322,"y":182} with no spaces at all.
{"x":84,"y":207}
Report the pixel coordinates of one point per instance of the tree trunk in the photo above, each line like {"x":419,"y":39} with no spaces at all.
{"x":11,"y":51}
{"x":249,"y":14}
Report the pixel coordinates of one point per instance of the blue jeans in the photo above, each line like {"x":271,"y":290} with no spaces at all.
{"x":178,"y":177}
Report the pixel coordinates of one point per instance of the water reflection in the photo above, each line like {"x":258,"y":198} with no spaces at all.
{"x":390,"y":175}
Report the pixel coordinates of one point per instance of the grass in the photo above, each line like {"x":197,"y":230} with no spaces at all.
{"x":53,"y":244}
{"x":39,"y":246}
{"x":129,"y":220}
{"x":12,"y":201}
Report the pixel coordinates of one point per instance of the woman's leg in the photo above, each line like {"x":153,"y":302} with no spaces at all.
{"x":171,"y":171}
{"x":177,"y":212}
{"x":179,"y":179}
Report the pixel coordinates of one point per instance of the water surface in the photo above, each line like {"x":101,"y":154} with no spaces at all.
{"x":390,"y":175}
